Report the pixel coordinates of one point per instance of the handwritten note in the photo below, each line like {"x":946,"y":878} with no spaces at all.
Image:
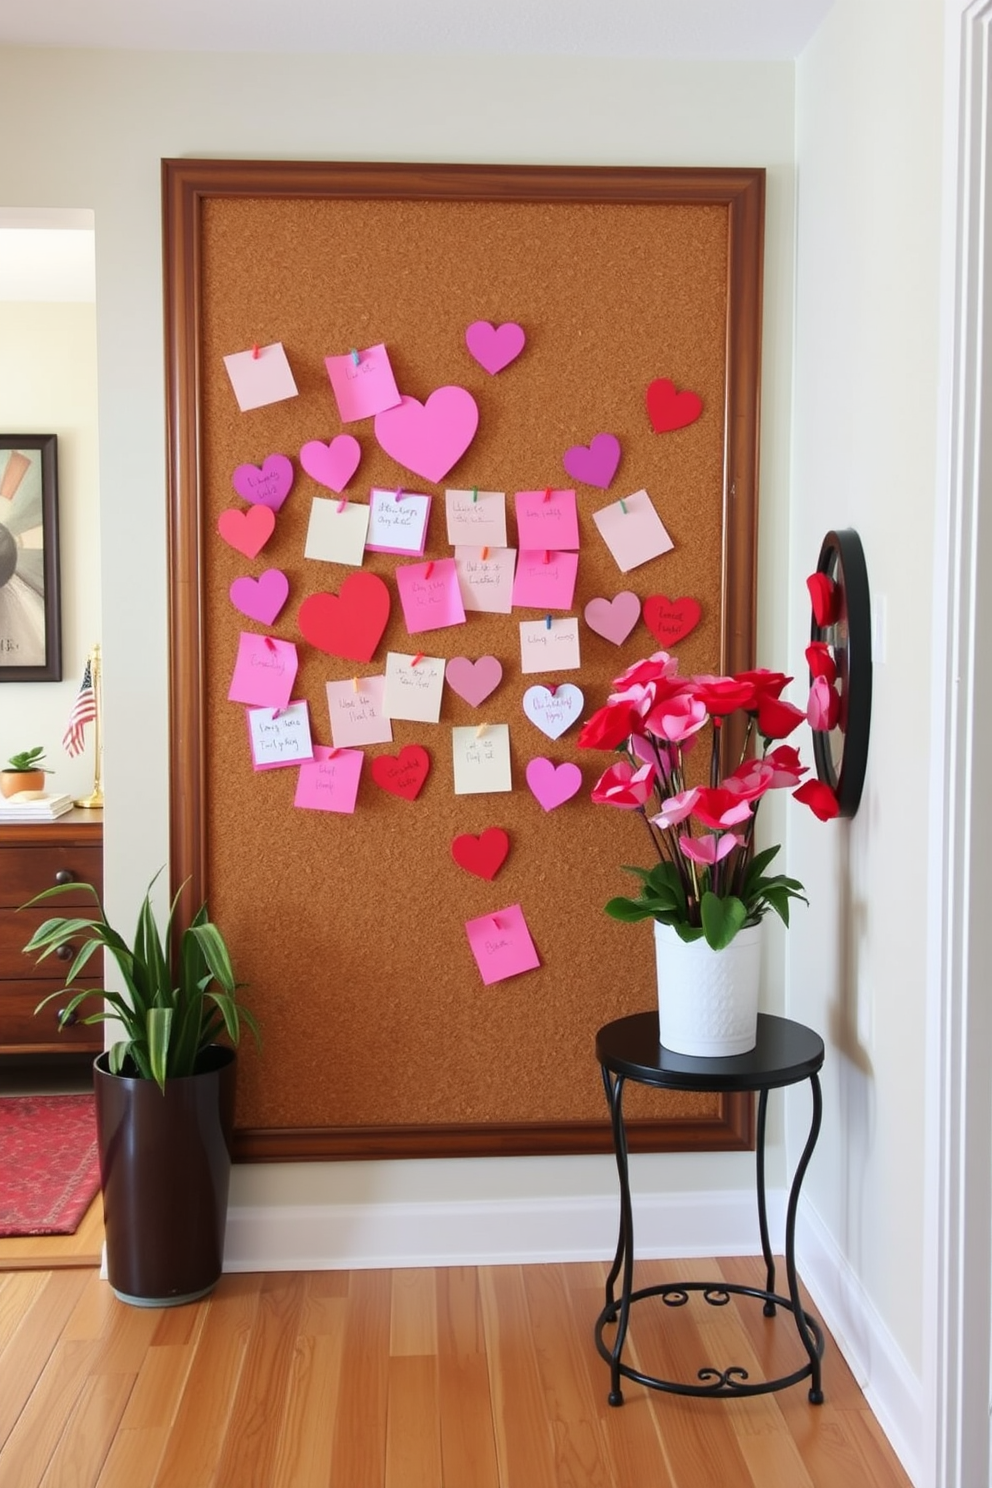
{"x":476,"y":518}
{"x":549,"y":648}
{"x":501,"y":944}
{"x":546,"y":520}
{"x":397,"y":524}
{"x":632,"y":530}
{"x":264,"y":671}
{"x":336,"y":531}
{"x":364,"y":387}
{"x":260,"y":379}
{"x":485,"y":578}
{"x":545,"y":580}
{"x":358,"y":712}
{"x":279,"y":737}
{"x":330,"y":781}
{"x":430,"y":595}
{"x":481,"y":756}
{"x":413,"y":687}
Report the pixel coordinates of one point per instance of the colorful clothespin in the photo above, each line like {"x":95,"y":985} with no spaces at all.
{"x":354,"y":356}
{"x":429,"y":569}
{"x":547,"y":493}
{"x":481,"y":730}
{"x":419,"y":657}
{"x":485,"y":554}
{"x":548,"y":622}
{"x":623,"y":506}
{"x":399,"y":492}
{"x":255,"y":352}
{"x":547,"y":556}
{"x":342,"y":504}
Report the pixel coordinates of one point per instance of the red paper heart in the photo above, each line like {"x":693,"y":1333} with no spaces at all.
{"x":248,"y":531}
{"x":671,"y":620}
{"x":483,"y":855}
{"x":349,"y":623}
{"x":402,"y":774}
{"x":668,"y":409}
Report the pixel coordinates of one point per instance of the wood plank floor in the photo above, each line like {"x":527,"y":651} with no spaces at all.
{"x":456,"y":1378}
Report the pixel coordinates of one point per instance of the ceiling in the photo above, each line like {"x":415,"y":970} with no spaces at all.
{"x":683,"y":30}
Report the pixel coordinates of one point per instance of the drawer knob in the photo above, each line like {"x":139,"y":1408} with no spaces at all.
{"x":66,"y":952}
{"x":65,"y":876}
{"x":67,"y":1019}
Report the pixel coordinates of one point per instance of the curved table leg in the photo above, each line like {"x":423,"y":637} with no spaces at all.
{"x":759,"y":1167}
{"x":625,"y":1241}
{"x":805,"y":1332}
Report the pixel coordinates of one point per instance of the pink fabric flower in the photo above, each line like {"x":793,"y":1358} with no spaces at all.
{"x":750,"y":780}
{"x":652,"y":751}
{"x":624,"y":787}
{"x":720,"y":808}
{"x":676,"y":808}
{"x":676,"y":718}
{"x":659,"y":665}
{"x":711,"y":848}
{"x":788,"y":767}
{"x":823,"y":708}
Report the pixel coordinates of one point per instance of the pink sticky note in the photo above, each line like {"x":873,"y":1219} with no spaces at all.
{"x":430,"y":595}
{"x":546,"y":522}
{"x":258,"y":379}
{"x":264,"y":671}
{"x":330,"y":781}
{"x":632,"y":530}
{"x":358,"y":712}
{"x":363,"y":388}
{"x":545,"y":580}
{"x":485,"y":578}
{"x":279,"y":736}
{"x":501,"y":944}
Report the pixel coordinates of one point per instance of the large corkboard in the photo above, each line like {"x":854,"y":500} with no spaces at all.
{"x":379,"y":1036}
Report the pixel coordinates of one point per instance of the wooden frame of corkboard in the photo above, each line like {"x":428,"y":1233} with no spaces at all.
{"x":379,"y":1038}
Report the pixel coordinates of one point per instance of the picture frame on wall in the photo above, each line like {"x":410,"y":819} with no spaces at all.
{"x":30,"y":600}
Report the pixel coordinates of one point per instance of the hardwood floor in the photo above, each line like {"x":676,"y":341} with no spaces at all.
{"x":456,"y":1378}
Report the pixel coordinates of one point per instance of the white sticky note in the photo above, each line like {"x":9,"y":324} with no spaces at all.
{"x":258,"y":380}
{"x":337,"y":531}
{"x":549,"y":648}
{"x":632,"y":530}
{"x":486,"y":582}
{"x":481,"y":757}
{"x":358,"y":712}
{"x":413,"y":687}
{"x":279,"y":736}
{"x":476,"y":519}
{"x":398,"y":524}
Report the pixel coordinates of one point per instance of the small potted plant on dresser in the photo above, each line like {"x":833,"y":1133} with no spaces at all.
{"x":164,"y":1093}
{"x":23,"y":772}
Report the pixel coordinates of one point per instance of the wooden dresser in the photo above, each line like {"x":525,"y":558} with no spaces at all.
{"x":35,"y":856}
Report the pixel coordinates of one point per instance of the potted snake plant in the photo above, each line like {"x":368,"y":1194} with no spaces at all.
{"x":164,"y":1091}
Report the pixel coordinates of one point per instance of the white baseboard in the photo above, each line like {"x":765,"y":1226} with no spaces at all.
{"x":886,"y":1380}
{"x":492,"y":1232}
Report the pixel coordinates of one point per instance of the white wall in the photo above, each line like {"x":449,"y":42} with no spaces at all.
{"x":869,"y":102}
{"x":48,"y":385}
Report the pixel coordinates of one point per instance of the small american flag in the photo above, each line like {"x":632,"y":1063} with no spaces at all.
{"x":83,"y":712}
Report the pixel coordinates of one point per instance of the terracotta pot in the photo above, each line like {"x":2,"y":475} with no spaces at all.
{"x":12,"y":781}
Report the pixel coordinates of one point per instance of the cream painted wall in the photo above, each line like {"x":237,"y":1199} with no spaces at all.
{"x":109,"y":118}
{"x":48,"y":385}
{"x":869,"y":100}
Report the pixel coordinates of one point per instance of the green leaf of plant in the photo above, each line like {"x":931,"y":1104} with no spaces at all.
{"x":722,"y":918}
{"x":628,"y":910}
{"x":158,"y":1024}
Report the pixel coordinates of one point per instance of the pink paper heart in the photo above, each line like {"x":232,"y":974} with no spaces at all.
{"x":473,"y":680}
{"x":553,"y":786}
{"x":332,"y":464}
{"x":265,"y":485}
{"x":247,"y":531}
{"x":495,"y":347}
{"x":428,"y":438}
{"x":614,"y":618}
{"x":594,"y":464}
{"x":262,"y":598}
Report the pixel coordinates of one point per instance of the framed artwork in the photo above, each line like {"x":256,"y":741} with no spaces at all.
{"x":30,"y":609}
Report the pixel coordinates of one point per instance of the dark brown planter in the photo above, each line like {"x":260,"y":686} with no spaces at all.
{"x":165,"y":1167}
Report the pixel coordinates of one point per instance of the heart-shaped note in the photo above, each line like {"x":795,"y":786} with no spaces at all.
{"x":248,"y":531}
{"x":332,"y":464}
{"x":402,"y":774}
{"x":473,"y":680}
{"x":671,"y":620}
{"x":483,"y":855}
{"x":595,"y":463}
{"x":262,"y":598}
{"x":428,"y":438}
{"x":614,"y":618}
{"x":554,"y":712}
{"x":668,"y":409}
{"x":495,"y":347}
{"x":265,"y":485}
{"x":553,"y":786}
{"x":349,"y":623}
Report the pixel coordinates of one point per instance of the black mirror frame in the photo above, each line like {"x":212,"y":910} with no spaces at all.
{"x":848,"y":635}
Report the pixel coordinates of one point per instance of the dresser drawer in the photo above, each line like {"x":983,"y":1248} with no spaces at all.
{"x":28,"y":870}
{"x":24,"y":1032}
{"x":16,"y":929}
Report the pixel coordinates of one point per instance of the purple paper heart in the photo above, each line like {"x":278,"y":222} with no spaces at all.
{"x":262,"y":598}
{"x":333,"y":464}
{"x":553,"y":786}
{"x":473,"y":680}
{"x":495,"y":347}
{"x":265,"y":485}
{"x":594,"y":464}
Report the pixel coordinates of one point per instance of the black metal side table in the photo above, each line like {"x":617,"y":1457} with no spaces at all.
{"x":786,"y":1053}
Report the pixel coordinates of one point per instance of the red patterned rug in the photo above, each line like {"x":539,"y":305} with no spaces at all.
{"x":49,"y":1169}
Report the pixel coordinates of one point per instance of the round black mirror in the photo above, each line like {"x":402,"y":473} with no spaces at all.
{"x":842,"y":621}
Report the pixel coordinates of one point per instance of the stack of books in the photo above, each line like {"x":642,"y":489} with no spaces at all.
{"x":40,"y":808}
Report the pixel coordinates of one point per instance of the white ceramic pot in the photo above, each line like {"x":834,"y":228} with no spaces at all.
{"x":708,"y":1000}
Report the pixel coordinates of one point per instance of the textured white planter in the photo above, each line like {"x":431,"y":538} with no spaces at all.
{"x":708,"y":1000}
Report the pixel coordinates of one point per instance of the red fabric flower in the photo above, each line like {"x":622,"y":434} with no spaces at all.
{"x":764,"y":682}
{"x":608,"y":726}
{"x":817,"y":795}
{"x":720,"y":809}
{"x":777,"y":719}
{"x":624,"y":787}
{"x":656,"y":666}
{"x":820,"y":659}
{"x":723,"y":695}
{"x":788,"y":767}
{"x":824,"y":597}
